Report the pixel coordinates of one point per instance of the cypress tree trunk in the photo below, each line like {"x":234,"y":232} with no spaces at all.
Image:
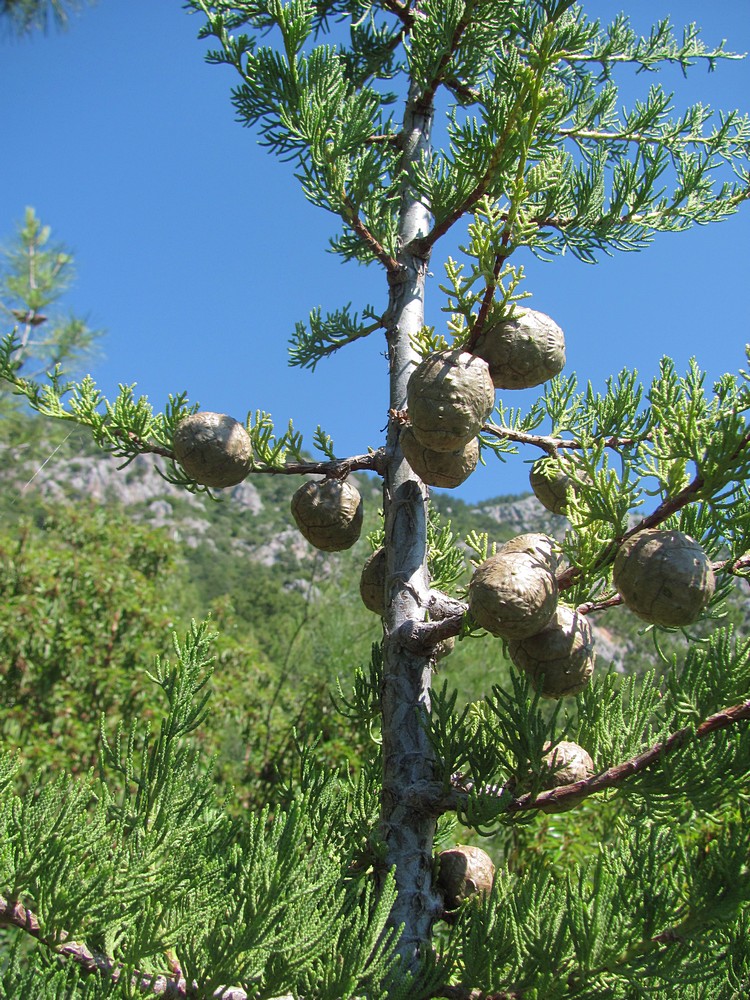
{"x":408,"y":760}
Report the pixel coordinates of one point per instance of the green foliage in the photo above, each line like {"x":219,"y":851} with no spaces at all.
{"x":125,"y":427}
{"x":545,"y":166}
{"x":465,"y":294}
{"x":84,"y":599}
{"x":146,"y":866}
{"x":610,"y":928}
{"x":272,"y":451}
{"x":328,"y":334}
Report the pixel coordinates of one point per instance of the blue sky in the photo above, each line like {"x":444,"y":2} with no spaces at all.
{"x":197,"y":253}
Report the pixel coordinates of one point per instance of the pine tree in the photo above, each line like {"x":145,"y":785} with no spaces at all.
{"x":341,"y":895}
{"x":34,"y":275}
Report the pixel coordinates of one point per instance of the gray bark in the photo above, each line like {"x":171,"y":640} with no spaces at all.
{"x":408,"y":760}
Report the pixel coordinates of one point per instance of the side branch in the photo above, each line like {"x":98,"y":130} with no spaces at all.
{"x":551,"y":445}
{"x":402,"y":12}
{"x":336,"y":468}
{"x":489,"y":295}
{"x":167,"y":987}
{"x":352,"y":219}
{"x":446,"y":620}
{"x":481,"y":188}
{"x":427,"y":97}
{"x":731,"y":202}
{"x":560,"y":799}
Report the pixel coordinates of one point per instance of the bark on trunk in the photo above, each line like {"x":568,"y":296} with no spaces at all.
{"x":407,"y":757}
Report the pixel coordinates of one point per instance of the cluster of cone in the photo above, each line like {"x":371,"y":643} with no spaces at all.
{"x":452,"y":393}
{"x":514,"y":595}
{"x":663,"y":576}
{"x":215,"y":450}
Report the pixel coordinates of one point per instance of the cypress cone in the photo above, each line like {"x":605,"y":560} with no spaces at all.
{"x":214,"y":449}
{"x":445,"y":469}
{"x":372,"y":583}
{"x":524,"y":351}
{"x":552,"y":483}
{"x":464,"y":871}
{"x":567,"y":762}
{"x":538,"y":546}
{"x":449,"y":396}
{"x":329,"y":514}
{"x":513,"y":594}
{"x":664,"y":577}
{"x":559,"y":659}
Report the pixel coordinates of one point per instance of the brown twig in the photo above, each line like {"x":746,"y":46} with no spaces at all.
{"x":402,"y":12}
{"x":736,"y":567}
{"x":352,"y":219}
{"x":479,"y":190}
{"x":462,"y":90}
{"x":604,"y":605}
{"x":337,"y":468}
{"x":29,"y":317}
{"x":551,"y":445}
{"x":489,"y":295}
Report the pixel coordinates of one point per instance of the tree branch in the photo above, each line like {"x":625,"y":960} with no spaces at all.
{"x":337,"y":468}
{"x":447,"y":617}
{"x":566,"y":796}
{"x":168,"y":987}
{"x":551,"y":445}
{"x":480,"y":188}
{"x":642,"y":140}
{"x":732,"y":201}
{"x":351,"y":217}
{"x":14,"y":914}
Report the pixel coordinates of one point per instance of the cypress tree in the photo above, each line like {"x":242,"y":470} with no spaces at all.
{"x":139,"y":883}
